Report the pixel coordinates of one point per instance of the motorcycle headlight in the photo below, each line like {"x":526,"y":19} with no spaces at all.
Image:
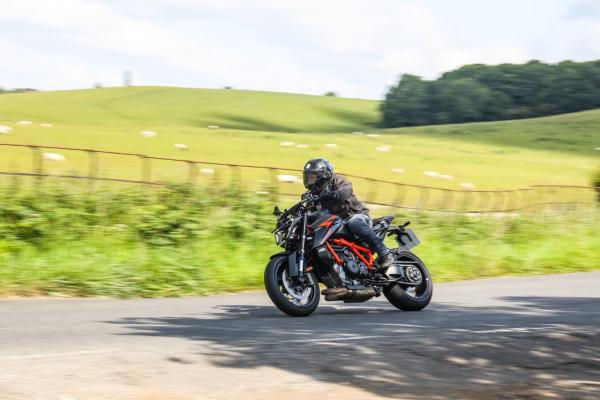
{"x":279,"y":236}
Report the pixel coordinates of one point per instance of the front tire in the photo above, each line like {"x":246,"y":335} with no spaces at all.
{"x":410,"y":298}
{"x":294,"y":300}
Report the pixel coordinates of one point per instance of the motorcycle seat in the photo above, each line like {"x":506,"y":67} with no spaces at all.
{"x":387,"y":218}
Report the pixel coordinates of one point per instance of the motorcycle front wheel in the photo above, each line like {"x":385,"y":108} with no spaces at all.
{"x":410,"y":297}
{"x":291,"y":297}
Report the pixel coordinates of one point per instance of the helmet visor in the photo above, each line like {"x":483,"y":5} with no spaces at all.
{"x":310,"y":178}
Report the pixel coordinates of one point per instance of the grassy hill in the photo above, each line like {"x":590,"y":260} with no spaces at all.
{"x":255,"y":126}
{"x":193,"y":108}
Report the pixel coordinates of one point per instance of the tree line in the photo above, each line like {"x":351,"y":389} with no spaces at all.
{"x":17,"y":90}
{"x":493,"y":92}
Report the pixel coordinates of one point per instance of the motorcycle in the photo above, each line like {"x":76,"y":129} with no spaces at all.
{"x":319,"y":248}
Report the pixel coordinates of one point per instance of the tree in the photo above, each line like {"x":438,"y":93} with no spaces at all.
{"x":406,"y":104}
{"x":480,"y":92}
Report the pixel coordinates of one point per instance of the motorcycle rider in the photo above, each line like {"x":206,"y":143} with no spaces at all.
{"x":335,"y":193}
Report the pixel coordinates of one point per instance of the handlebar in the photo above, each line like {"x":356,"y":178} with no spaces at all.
{"x":306,"y":200}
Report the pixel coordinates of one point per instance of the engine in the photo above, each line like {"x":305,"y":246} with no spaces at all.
{"x":352,"y":265}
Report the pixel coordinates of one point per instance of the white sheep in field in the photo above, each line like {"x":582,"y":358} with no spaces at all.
{"x":148,"y":133}
{"x":446,"y":177}
{"x":287,"y":144}
{"x":398,"y":170}
{"x":373,"y":135}
{"x":181,"y":146}
{"x":213,"y":127}
{"x":302,"y":146}
{"x":24,"y":122}
{"x":54,"y":157}
{"x":46,"y":125}
{"x":5,"y":129}
{"x":431,"y":174}
{"x":384,"y":149}
{"x":207,"y":171}
{"x":288,"y":178}
{"x":331,"y":145}
{"x":468,"y":186}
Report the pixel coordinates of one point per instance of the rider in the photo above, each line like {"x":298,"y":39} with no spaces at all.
{"x":335,"y":193}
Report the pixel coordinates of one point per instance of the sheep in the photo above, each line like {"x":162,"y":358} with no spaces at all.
{"x":24,"y":122}
{"x":46,"y":125}
{"x":431,"y":174}
{"x":286,"y":143}
{"x":397,"y":170}
{"x":384,"y":149}
{"x":54,"y":157}
{"x":180,"y":146}
{"x":331,"y":145}
{"x":5,"y":129}
{"x":148,"y":133}
{"x":213,"y":126}
{"x":468,"y":186}
{"x":288,"y":178}
{"x":207,"y":171}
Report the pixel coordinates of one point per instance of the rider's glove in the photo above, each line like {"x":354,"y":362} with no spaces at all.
{"x":328,"y":197}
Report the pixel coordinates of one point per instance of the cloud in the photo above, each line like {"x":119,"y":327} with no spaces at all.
{"x":353,"y":47}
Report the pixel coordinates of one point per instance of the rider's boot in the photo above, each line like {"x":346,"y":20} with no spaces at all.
{"x":385,"y":260}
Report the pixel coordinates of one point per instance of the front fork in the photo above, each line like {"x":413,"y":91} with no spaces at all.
{"x":301,"y":250}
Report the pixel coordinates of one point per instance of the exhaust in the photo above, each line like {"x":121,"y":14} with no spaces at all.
{"x":348,"y":295}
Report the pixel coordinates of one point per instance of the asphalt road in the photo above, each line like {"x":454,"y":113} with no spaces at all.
{"x":527,"y":337}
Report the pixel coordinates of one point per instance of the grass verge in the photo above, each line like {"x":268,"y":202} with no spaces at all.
{"x":177,"y":241}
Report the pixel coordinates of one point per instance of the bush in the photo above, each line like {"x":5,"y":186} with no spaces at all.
{"x":182,"y":240}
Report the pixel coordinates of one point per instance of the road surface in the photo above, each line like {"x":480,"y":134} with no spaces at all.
{"x":526,"y":337}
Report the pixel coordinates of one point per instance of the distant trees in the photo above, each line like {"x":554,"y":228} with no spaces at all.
{"x":484,"y":93}
{"x":17,"y":90}
{"x":330,"y":94}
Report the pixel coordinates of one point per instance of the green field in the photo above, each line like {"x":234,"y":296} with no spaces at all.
{"x":495,"y":155}
{"x":68,"y":238}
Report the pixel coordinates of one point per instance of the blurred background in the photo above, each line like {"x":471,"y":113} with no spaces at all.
{"x":143,"y":145}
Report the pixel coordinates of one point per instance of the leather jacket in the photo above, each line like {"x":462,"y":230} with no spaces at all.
{"x":346,"y":204}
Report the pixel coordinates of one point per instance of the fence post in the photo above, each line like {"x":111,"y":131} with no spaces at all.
{"x":400,"y":192}
{"x":447,"y":200}
{"x":371,"y":191}
{"x":192,"y":172}
{"x":236,"y":176}
{"x":146,"y":168}
{"x":37,"y":163}
{"x":423,"y":198}
{"x":93,"y":167}
{"x":274,"y":189}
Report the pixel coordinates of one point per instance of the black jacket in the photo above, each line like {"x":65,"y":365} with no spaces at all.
{"x":346,"y":204}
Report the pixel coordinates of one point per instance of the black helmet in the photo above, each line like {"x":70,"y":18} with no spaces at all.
{"x":317,"y":173}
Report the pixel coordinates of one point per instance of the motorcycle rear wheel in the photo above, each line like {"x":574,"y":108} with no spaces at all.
{"x":406,"y":297}
{"x":292,"y":299}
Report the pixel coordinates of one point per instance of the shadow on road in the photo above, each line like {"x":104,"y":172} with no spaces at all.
{"x":525,"y":347}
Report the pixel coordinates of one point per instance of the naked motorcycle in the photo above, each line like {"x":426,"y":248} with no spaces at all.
{"x":320,"y":249}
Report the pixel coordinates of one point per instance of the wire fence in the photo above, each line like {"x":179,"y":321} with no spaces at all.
{"x":134,"y":168}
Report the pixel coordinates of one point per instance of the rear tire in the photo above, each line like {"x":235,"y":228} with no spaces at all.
{"x":401,"y":297}
{"x":275,"y":274}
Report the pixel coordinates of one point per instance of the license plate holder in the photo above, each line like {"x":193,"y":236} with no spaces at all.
{"x":407,"y":240}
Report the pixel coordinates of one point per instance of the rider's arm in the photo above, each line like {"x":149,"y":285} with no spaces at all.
{"x":342,"y":188}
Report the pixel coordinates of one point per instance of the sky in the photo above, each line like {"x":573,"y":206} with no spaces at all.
{"x":355,"y":48}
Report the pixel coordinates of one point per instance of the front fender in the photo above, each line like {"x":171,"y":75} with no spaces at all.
{"x":292,"y":265}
